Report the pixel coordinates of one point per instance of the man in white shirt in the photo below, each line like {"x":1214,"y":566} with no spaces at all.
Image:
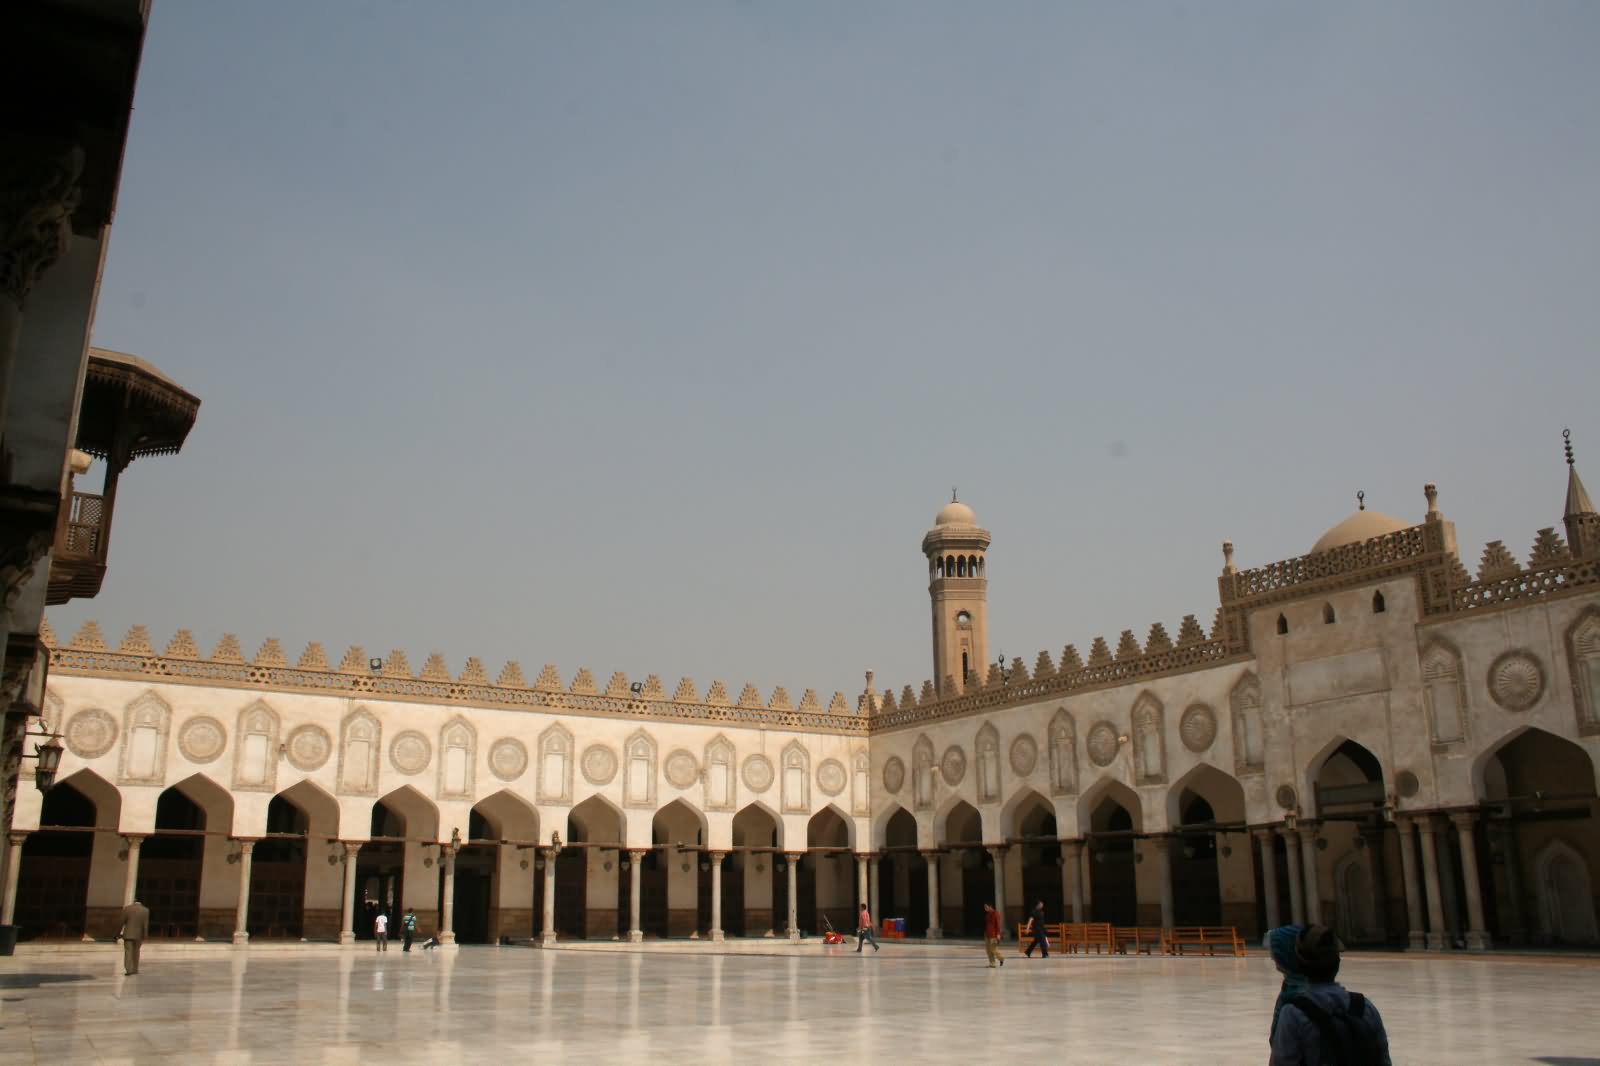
{"x":380,"y":930}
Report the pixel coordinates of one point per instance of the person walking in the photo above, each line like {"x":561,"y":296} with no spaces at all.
{"x":380,"y":931}
{"x":991,"y":935}
{"x":1041,"y":939}
{"x":864,"y":931}
{"x":135,"y":927}
{"x":408,"y":927}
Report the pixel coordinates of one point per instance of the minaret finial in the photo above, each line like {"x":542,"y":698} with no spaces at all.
{"x":1566,"y":442}
{"x":1361,"y":500}
{"x":952,"y":494}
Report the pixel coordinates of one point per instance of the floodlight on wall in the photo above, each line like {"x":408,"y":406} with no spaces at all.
{"x":375,"y":665}
{"x":636,"y":688}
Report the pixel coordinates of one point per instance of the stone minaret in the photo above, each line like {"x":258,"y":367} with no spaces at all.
{"x":958,"y":585}
{"x":1583,"y":524}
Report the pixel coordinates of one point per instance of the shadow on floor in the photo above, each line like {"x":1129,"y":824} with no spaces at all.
{"x":34,"y":980}
{"x":1566,"y":1060}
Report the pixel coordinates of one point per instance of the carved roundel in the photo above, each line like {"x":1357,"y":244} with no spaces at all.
{"x":682,"y":769}
{"x":1198,"y":727}
{"x":953,"y":767}
{"x":1406,"y":783}
{"x":91,"y":733}
{"x":599,"y":764}
{"x":831,"y":777}
{"x":1102,"y":743}
{"x":894,"y":775}
{"x":202,"y":739}
{"x":1286,"y":797}
{"x":308,"y":747}
{"x":508,"y":758}
{"x":1024,"y":755}
{"x":410,"y":752}
{"x":758,"y":773}
{"x":1516,"y":680}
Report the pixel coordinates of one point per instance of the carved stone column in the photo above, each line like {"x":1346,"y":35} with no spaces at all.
{"x":636,"y":876}
{"x":1163,"y":849}
{"x":8,"y":902}
{"x":130,"y":881}
{"x":1372,"y":838}
{"x":1416,"y":938}
{"x":1313,"y":887}
{"x":793,"y":870}
{"x":547,"y":931}
{"x":1438,"y":938}
{"x":347,"y":917}
{"x":934,"y":932}
{"x":873,"y":890}
{"x":997,"y":855}
{"x":1477,"y":936}
{"x":447,"y":911}
{"x":241,"y":914}
{"x":1504,"y":837}
{"x":1269,"y":875}
{"x":1072,"y":874}
{"x":863,"y":883}
{"x":716,"y":896}
{"x":1297,"y":906}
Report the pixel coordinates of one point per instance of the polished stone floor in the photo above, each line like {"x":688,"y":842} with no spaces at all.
{"x":910,"y":1004}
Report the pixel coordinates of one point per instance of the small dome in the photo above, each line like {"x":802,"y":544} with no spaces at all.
{"x":1359,"y":527}
{"x":955,"y":513}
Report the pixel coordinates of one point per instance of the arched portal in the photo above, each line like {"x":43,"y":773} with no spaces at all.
{"x":1539,"y":791}
{"x":53,"y":881}
{"x":398,"y":867}
{"x":903,"y":875}
{"x":171,"y":866}
{"x":495,"y":876}
{"x":1034,"y":863}
{"x":278,"y":873}
{"x":753,"y":897}
{"x":589,"y":880}
{"x":1115,"y":820}
{"x":1212,"y":871}
{"x":675,"y":893}
{"x":1348,"y":791}
{"x":966,"y":871}
{"x":826,"y":881}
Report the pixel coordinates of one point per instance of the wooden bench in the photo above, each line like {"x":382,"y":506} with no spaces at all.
{"x":1210,"y":937}
{"x":1085,"y":935}
{"x":1052,"y":935}
{"x":1144,"y":939}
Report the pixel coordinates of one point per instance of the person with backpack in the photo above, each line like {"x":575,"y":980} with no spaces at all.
{"x":1280,"y":944}
{"x":408,"y":927}
{"x":1326,"y":1025}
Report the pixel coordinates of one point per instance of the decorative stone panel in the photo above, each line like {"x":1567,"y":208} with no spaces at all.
{"x":202,"y":738}
{"x":987,"y":745}
{"x":1198,"y":728}
{"x":458,"y":759}
{"x":1516,"y":680}
{"x":91,"y":733}
{"x":894,"y":775}
{"x":555,"y":764}
{"x":831,"y":777}
{"x":953,"y":765}
{"x":1407,"y":784}
{"x":599,"y":764}
{"x":360,"y":735}
{"x":922,"y":774}
{"x":1024,"y":755}
{"x":1249,"y":736}
{"x":508,"y":758}
{"x":308,"y":747}
{"x":410,"y":752}
{"x":1286,"y":797}
{"x":861,"y":784}
{"x":1583,"y":660}
{"x":1102,"y":743}
{"x":255,"y":749}
{"x":1444,"y":694}
{"x":758,"y":773}
{"x":1063,"y":749}
{"x":639,"y":770}
{"x":721,"y":782}
{"x":146,"y":724}
{"x":796,"y":792}
{"x":1149,"y":740}
{"x":681,"y":768}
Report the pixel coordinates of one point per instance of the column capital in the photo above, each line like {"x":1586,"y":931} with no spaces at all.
{"x":1464,"y":820}
{"x":1426,"y":824}
{"x":1263,"y":833}
{"x":17,"y":839}
{"x":996,"y":850}
{"x":1162,"y":842}
{"x":638,"y":853}
{"x":1405,"y":823}
{"x":1290,"y":836}
{"x":351,"y":847}
{"x":246,"y":843}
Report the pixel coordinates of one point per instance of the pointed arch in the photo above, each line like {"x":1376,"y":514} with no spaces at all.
{"x":883,"y":837}
{"x":1109,"y":789}
{"x":212,"y":798}
{"x":597,"y":820}
{"x":721,"y":782}
{"x":1221,"y":791}
{"x":830,"y":827}
{"x":1566,"y":895}
{"x":1343,"y":773}
{"x":796,"y":780}
{"x":102,"y":793}
{"x":1543,"y":752}
{"x":318,"y":805}
{"x":755,"y":824}
{"x":1444,"y":692}
{"x":458,"y":758}
{"x":986,"y":749}
{"x":678,"y":822}
{"x":255,"y":748}
{"x":360,"y":741}
{"x":555,"y":764}
{"x":958,"y":823}
{"x":1016,"y":808}
{"x":509,"y":816}
{"x":1353,"y":898}
{"x":416,"y":811}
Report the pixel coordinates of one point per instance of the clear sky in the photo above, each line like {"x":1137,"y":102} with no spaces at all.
{"x":650,"y":337}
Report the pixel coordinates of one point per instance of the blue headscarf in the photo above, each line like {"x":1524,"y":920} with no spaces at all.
{"x":1281,"y":944}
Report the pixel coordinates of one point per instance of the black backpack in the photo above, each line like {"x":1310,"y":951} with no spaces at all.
{"x":1348,"y":1037}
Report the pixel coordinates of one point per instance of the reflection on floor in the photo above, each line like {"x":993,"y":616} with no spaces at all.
{"x":908,"y":1004}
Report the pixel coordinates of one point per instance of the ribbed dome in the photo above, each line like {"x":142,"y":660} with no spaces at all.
{"x":955,"y":513}
{"x":1361,"y":526}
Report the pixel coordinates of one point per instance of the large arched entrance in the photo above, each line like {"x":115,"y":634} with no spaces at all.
{"x":1114,"y":824}
{"x":53,"y":880}
{"x":903,"y":875}
{"x":1541,"y":840}
{"x":497,"y":888}
{"x":675,"y":894}
{"x":826,"y":881}
{"x":591,"y":889}
{"x":1353,"y":851}
{"x":754,"y":899}
{"x":398,"y":866}
{"x":278,"y":874}
{"x":1212,"y":872}
{"x":193,"y":820}
{"x":966,"y":872}
{"x":1036,"y":865}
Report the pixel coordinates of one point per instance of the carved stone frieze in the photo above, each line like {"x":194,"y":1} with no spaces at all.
{"x":91,"y":733}
{"x":832,"y":777}
{"x":1024,"y":755}
{"x":1102,"y":743}
{"x":757,"y":773}
{"x":681,"y":768}
{"x":1516,"y":680}
{"x":508,"y":758}
{"x":202,"y":738}
{"x":953,"y":765}
{"x":894,"y":775}
{"x":308,"y":747}
{"x":1198,"y":727}
{"x":410,"y":752}
{"x":599,"y":764}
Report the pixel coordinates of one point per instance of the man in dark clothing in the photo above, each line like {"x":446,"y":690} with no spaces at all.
{"x":1040,"y":940}
{"x":1326,"y":1023}
{"x":135,"y":927}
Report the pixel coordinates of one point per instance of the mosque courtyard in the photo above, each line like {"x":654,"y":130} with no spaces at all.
{"x":682,"y":1004}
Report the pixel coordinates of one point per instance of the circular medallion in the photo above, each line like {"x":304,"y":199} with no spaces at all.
{"x":1024,"y":755}
{"x":1286,"y":797}
{"x":1198,"y":727}
{"x":308,"y":747}
{"x":1406,"y":783}
{"x":202,"y":739}
{"x":894,"y":775}
{"x":1516,"y":680}
{"x":91,"y":733}
{"x":831,"y":777}
{"x":508,"y":758}
{"x":410,"y":752}
{"x":1102,"y":743}
{"x":599,"y":764}
{"x":681,"y":769}
{"x":953,"y":767}
{"x":758,"y":773}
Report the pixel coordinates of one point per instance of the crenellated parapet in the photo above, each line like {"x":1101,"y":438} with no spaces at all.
{"x":392,"y":677}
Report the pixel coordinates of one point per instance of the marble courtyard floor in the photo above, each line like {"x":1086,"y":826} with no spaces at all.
{"x":910,"y":1004}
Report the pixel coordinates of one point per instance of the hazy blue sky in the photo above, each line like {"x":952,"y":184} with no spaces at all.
{"x":650,"y":336}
